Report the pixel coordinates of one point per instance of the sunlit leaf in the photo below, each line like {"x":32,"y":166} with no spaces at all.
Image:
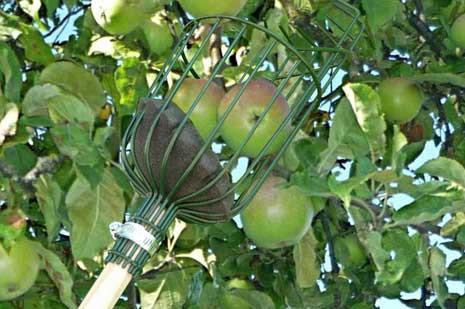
{"x":366,"y":105}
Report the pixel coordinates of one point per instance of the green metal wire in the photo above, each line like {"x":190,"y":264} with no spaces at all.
{"x":301,"y":68}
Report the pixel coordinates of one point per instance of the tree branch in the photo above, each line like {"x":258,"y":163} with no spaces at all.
{"x":44,"y":165}
{"x":65,"y":20}
{"x":417,"y":21}
{"x":327,"y":231}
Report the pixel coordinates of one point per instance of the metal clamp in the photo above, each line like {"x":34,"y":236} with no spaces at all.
{"x":136,"y":233}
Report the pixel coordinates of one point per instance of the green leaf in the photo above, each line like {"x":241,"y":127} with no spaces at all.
{"x":77,"y":81}
{"x":112,"y":47}
{"x":373,"y":243}
{"x":91,"y":210}
{"x":397,"y":241}
{"x":34,"y":45}
{"x":74,"y":142}
{"x":456,"y":269}
{"x":446,"y":168}
{"x":21,"y":158}
{"x":59,"y":274}
{"x":346,"y":139}
{"x":11,"y":70}
{"x":380,"y":12}
{"x":69,"y":109}
{"x":440,"y":78}
{"x":35,"y":102}
{"x":344,"y":189}
{"x":310,"y":184}
{"x":168,"y":289}
{"x":131,"y":84}
{"x":453,"y":225}
{"x":306,"y":262}
{"x":51,"y":202}
{"x":103,"y":140}
{"x":366,"y":105}
{"x":437,"y":265}
{"x":254,"y":299}
{"x":51,"y":6}
{"x":427,"y":208}
{"x":397,"y":156}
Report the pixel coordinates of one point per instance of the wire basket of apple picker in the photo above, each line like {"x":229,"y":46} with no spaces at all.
{"x":200,"y":145}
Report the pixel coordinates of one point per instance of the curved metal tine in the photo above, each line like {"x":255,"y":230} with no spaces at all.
{"x":258,"y":160}
{"x":167,"y":101}
{"x":137,"y":178}
{"x":197,"y":99}
{"x":168,"y":66}
{"x":296,"y":110}
{"x":214,"y":132}
{"x":261,"y":59}
{"x":177,"y":133}
{"x":247,"y":196}
{"x":236,"y":155}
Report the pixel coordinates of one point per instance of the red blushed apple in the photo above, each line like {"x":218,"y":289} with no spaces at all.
{"x":204,"y":115}
{"x":245,"y":114}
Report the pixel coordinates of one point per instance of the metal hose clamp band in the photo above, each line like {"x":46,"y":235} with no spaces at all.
{"x":135,"y":233}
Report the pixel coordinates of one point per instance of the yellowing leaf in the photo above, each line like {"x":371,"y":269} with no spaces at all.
{"x":306,"y":261}
{"x":366,"y":105}
{"x":9,"y":122}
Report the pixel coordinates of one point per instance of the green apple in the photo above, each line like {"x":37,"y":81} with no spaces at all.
{"x":204,"y":115}
{"x":120,"y":16}
{"x":401,"y":99}
{"x":239,"y":284}
{"x":278,"y":216}
{"x":200,"y":8}
{"x":245,"y":113}
{"x":458,"y":31}
{"x":158,"y":36}
{"x":18,"y":268}
{"x":349,"y":251}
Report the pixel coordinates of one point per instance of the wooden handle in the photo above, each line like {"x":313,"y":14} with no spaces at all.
{"x":108,"y":288}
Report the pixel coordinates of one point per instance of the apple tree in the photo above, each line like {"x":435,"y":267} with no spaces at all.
{"x":366,"y":208}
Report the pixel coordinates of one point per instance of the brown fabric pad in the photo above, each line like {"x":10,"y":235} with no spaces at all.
{"x":185,"y":149}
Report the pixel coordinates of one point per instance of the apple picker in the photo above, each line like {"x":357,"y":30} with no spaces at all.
{"x":174,"y":169}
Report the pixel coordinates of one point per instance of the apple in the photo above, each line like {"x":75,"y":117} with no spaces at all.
{"x":349,"y":251}
{"x":120,"y":16}
{"x":158,"y":36}
{"x":18,"y":268}
{"x":239,"y":284}
{"x":278,"y":216}
{"x":401,"y":99}
{"x":245,"y":113}
{"x":200,"y":8}
{"x":204,"y":115}
{"x":458,"y":31}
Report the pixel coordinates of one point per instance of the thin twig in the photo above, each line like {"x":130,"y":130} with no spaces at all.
{"x":65,"y":20}
{"x":44,"y":165}
{"x":327,"y":231}
{"x":422,"y":28}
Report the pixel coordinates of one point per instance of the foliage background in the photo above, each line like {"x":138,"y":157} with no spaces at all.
{"x":59,"y":165}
